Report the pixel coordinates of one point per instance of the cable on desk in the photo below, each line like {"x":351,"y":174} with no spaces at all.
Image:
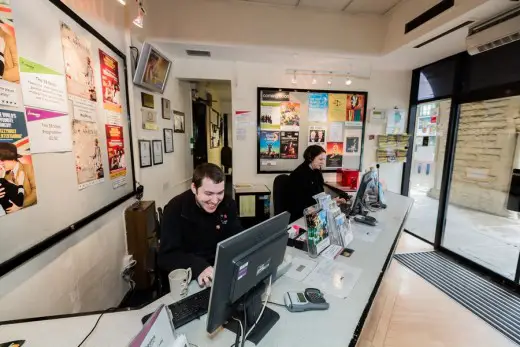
{"x":275,"y":303}
{"x":95,"y":325}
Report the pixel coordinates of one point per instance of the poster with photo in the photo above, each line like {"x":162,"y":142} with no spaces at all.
{"x":337,"y":107}
{"x":87,"y":152}
{"x":290,"y":116}
{"x":10,"y":94}
{"x":317,"y":135}
{"x":289,"y":142}
{"x":270,"y":115}
{"x":353,"y":144}
{"x":116,"y":155}
{"x":269,"y":144}
{"x":318,"y":107}
{"x":355,"y":109}
{"x":110,"y":83}
{"x":79,"y":72}
{"x":17,"y":177}
{"x":334,"y":154}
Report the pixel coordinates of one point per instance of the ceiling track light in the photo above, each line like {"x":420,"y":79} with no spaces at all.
{"x":139,"y":20}
{"x":122,"y":2}
{"x":348,"y":81}
{"x":314,"y":81}
{"x":329,"y":82}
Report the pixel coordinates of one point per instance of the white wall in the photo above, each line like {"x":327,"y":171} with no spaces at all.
{"x":386,"y":89}
{"x":82,"y":273}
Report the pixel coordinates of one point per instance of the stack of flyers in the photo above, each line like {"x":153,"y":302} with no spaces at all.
{"x":317,"y":232}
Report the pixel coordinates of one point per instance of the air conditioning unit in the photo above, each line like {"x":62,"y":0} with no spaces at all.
{"x":500,"y":30}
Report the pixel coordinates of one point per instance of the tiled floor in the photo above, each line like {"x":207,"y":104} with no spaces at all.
{"x":410,"y":312}
{"x":489,"y":240}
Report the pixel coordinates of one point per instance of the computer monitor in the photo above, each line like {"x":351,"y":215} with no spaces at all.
{"x":357,"y":205}
{"x":243,"y":263}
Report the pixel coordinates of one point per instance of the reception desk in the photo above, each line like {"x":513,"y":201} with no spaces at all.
{"x":339,"y":326}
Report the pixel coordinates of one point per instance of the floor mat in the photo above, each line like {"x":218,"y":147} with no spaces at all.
{"x":495,"y":305}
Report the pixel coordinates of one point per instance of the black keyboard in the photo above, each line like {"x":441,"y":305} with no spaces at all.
{"x":188,"y":309}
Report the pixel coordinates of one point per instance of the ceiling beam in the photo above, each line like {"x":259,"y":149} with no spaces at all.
{"x":347,"y":5}
{"x":391,"y":7}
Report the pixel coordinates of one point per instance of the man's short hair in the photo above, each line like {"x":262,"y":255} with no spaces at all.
{"x":207,"y":170}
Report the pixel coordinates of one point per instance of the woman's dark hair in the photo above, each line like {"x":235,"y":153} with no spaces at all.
{"x":312,"y":152}
{"x":207,"y":170}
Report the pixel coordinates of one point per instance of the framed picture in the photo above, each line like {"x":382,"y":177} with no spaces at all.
{"x":166,"y":109}
{"x":147,"y":100}
{"x":145,"y":153}
{"x":153,"y":69}
{"x":178,"y":122}
{"x":168,"y":140}
{"x":149,"y":119}
{"x":157,"y":152}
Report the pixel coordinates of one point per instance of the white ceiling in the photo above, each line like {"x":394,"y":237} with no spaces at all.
{"x":379,"y":7}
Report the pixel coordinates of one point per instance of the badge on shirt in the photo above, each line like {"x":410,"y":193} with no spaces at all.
{"x":223,"y":219}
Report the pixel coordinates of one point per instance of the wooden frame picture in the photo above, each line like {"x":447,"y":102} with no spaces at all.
{"x":166,"y":109}
{"x":145,"y":153}
{"x":168,"y":140}
{"x":179,"y":125}
{"x":147,"y":100}
{"x":157,"y":149}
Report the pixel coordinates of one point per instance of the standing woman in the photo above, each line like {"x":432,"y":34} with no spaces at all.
{"x":306,"y":181}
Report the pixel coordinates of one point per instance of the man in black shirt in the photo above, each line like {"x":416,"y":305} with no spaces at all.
{"x":195,"y":221}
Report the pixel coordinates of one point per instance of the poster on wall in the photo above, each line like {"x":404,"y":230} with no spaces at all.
{"x":355,"y":109}
{"x":337,"y":107}
{"x":87,"y":151}
{"x":289,"y":142}
{"x":290,"y":116}
{"x":270,"y":115}
{"x":43,"y":87}
{"x":17,"y":182}
{"x":353,"y":142}
{"x":50,"y":130}
{"x":317,"y":135}
{"x":10,"y":94}
{"x":269,"y":144}
{"x":110,"y":83}
{"x":334,"y":154}
{"x":78,"y":64}
{"x":318,"y":107}
{"x":335,"y":132}
{"x":116,"y":155}
{"x":395,"y":120}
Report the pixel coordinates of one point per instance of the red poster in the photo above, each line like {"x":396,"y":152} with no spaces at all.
{"x":116,"y":151}
{"x":110,"y":82}
{"x":334,"y":154}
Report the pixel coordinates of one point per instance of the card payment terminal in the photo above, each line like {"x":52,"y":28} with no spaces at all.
{"x":311,"y":299}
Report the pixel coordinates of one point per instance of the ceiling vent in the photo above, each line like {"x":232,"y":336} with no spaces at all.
{"x":494,"y":32}
{"x":196,"y":53}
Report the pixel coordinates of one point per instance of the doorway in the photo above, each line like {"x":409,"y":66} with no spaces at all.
{"x":212,"y":126}
{"x":429,"y":146}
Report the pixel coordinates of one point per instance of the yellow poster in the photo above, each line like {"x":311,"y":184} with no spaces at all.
{"x":337,"y":107}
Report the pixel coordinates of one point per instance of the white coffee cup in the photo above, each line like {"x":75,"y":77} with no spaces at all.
{"x":179,"y":282}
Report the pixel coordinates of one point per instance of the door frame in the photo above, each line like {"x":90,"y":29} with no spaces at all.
{"x":458,"y":97}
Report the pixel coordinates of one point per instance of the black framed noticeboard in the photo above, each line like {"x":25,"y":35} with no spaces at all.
{"x":289,"y":120}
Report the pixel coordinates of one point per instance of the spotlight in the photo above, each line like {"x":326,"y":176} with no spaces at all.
{"x":122,"y":2}
{"x":138,"y":21}
{"x":348,"y":82}
{"x":314,"y":81}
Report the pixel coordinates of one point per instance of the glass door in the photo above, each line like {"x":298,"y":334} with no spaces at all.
{"x":483,"y":220}
{"x":429,"y":146}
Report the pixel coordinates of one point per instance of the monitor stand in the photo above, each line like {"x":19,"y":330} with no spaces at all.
{"x":252,"y":305}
